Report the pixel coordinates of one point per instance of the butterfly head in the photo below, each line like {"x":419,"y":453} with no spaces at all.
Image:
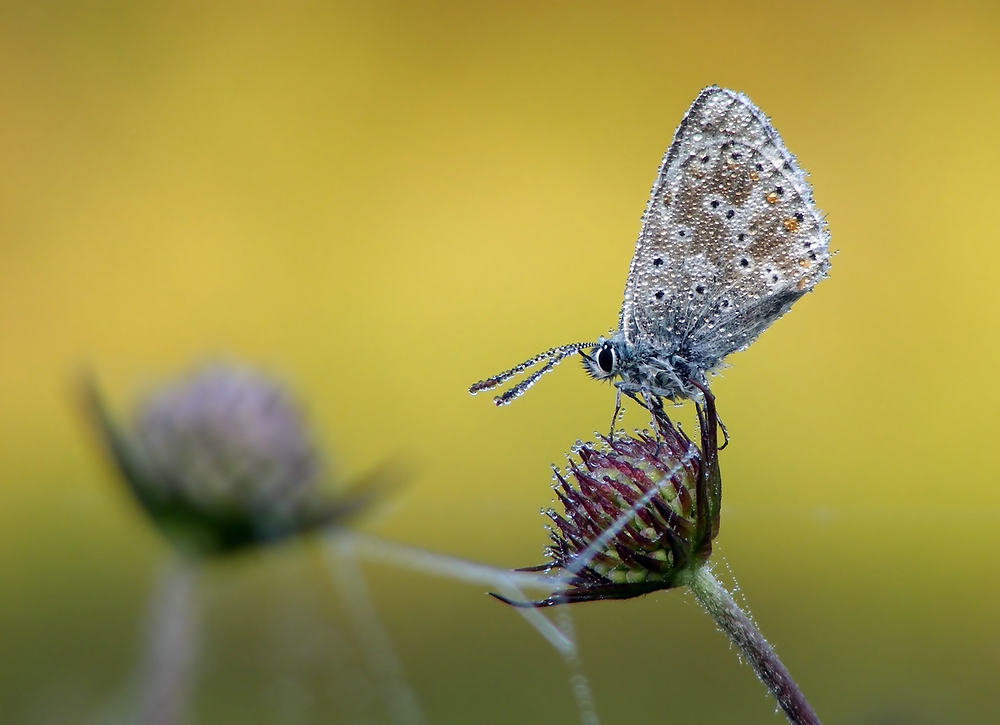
{"x":604,"y":360}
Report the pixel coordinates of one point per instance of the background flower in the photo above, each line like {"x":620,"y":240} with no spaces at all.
{"x":221,"y":460}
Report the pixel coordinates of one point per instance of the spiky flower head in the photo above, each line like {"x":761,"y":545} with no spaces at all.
{"x":222,"y":459}
{"x":639,"y":512}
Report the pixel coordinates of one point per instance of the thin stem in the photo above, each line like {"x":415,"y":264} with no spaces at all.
{"x":376,"y":647}
{"x":578,"y":684}
{"x":741,"y":631}
{"x":428,"y":562}
{"x":508,"y":582}
{"x":559,"y":634}
{"x":171,"y":645}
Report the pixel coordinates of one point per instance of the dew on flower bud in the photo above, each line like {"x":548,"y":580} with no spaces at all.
{"x":631,"y":519}
{"x":636,"y":576}
{"x":618,"y":575}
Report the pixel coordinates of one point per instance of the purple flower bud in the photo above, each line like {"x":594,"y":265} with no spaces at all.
{"x":639,"y":513}
{"x":226,"y":439}
{"x":222,"y":459}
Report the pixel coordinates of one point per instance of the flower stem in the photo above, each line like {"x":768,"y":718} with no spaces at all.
{"x":376,"y":647}
{"x":171,"y":644}
{"x":741,"y":631}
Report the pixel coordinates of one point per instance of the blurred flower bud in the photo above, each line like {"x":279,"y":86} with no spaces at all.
{"x":640,"y":513}
{"x":221,"y":460}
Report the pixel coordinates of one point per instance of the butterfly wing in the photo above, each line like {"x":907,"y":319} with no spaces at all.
{"x":730,"y":237}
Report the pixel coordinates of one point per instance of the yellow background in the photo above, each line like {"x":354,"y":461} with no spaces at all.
{"x":383,"y":203}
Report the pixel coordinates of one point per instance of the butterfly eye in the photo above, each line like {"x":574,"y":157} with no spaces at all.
{"x":606,"y":358}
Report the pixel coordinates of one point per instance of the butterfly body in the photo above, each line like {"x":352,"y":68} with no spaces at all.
{"x":730,"y":239}
{"x":639,"y":367}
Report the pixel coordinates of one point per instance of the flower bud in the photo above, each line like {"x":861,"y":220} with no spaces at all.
{"x":221,"y":459}
{"x":639,"y":513}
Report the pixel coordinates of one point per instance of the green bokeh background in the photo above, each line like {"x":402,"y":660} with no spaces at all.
{"x":383,"y":203}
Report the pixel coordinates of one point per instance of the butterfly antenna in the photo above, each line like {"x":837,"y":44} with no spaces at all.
{"x":551,"y":358}
{"x":518,"y":390}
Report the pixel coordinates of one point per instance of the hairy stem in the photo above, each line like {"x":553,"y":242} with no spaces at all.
{"x":741,"y":631}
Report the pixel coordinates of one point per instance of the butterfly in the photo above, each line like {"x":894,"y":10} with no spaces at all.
{"x":730,"y":239}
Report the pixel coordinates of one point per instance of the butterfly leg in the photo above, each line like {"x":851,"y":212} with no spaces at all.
{"x":631,"y":389}
{"x":658,"y":415}
{"x":650,"y":399}
{"x":614,"y":418}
